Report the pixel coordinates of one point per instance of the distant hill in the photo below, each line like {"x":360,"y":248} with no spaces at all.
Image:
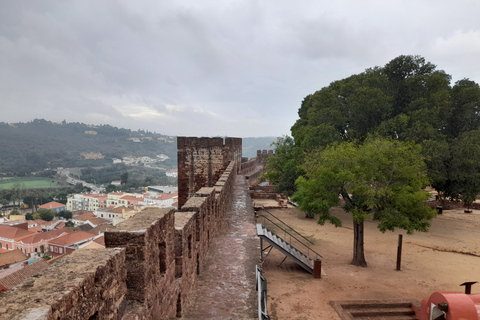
{"x":39,"y":144}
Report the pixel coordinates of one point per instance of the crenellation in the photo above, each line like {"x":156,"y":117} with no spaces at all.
{"x":202,"y":161}
{"x":152,"y":260}
{"x":78,"y":286}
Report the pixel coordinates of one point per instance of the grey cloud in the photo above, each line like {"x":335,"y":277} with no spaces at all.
{"x":211,"y":67}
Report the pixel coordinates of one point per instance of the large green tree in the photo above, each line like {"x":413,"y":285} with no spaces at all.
{"x":408,"y":99}
{"x":380,"y":178}
{"x":284,"y":167}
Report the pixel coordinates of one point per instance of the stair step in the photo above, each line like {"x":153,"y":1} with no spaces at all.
{"x":382,"y":312}
{"x":298,"y":256}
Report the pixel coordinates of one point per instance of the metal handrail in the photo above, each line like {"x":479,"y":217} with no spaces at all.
{"x":286,"y":225}
{"x":307,"y":246}
{"x":261,"y":286}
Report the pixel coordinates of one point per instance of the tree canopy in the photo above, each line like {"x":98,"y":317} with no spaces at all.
{"x":408,"y":99}
{"x":376,"y":139}
{"x":380,"y":178}
{"x":283,"y":169}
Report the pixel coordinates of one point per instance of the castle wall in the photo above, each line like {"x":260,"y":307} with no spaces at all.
{"x":201,"y":162}
{"x":87,"y":284}
{"x":147,"y":271}
{"x":152,"y":260}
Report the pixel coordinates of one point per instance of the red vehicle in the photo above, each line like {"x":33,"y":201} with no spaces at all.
{"x":451,"y":305}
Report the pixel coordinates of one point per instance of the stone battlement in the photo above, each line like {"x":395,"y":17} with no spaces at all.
{"x":147,"y":270}
{"x":151,"y":261}
{"x":201,"y":162}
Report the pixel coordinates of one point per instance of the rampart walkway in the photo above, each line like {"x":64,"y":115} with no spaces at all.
{"x":225,"y":288}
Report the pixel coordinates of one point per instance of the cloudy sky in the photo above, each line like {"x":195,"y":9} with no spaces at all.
{"x":212,"y":68}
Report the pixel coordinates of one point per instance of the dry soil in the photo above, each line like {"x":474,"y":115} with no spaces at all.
{"x":440,"y":260}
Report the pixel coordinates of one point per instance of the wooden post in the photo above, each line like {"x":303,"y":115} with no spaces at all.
{"x":399,"y":252}
{"x":261,"y":249}
{"x":317,"y":269}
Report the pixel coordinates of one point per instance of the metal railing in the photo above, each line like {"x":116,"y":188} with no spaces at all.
{"x":261,"y":285}
{"x":277,"y":226}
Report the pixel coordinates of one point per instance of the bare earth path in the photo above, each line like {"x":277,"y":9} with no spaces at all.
{"x":225,"y":288}
{"x":439,"y":260}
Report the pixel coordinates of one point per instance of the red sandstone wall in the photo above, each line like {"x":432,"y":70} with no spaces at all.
{"x":149,"y":276}
{"x":148,"y":239}
{"x":201,"y":162}
{"x":87,"y":284}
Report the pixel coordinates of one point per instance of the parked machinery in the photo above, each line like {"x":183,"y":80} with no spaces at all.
{"x":451,"y":305}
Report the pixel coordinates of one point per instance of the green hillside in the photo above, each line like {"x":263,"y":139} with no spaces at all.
{"x":39,"y":144}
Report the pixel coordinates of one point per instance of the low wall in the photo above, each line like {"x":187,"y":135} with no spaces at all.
{"x":87,"y":284}
{"x":249,"y":166}
{"x":147,"y":271}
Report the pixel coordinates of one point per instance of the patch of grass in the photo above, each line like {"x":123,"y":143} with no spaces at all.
{"x":27,"y":182}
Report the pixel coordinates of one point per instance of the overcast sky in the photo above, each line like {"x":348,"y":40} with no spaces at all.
{"x":212,"y":68}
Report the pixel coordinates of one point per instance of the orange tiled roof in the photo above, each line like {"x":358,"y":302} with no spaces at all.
{"x":131,"y":198}
{"x":99,"y":196}
{"x":100,"y":228}
{"x":45,"y":223}
{"x":52,"y":205}
{"x":117,"y":210}
{"x":100,"y":240}
{"x":12,"y":256}
{"x":46,"y":235}
{"x":35,"y":229}
{"x":14,"y":279}
{"x":98,"y":221}
{"x":13,"y":233}
{"x":85,"y":216}
{"x":72,"y":238}
{"x":60,"y":225}
{"x":165,"y":196}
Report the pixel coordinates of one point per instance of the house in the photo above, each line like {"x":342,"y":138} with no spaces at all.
{"x":34,"y":226}
{"x":86,"y":201}
{"x":56,"y":206}
{"x":161,"y":200}
{"x":116,"y":214}
{"x":46,"y":225}
{"x":69,"y":242}
{"x":172,"y":173}
{"x":94,"y":244}
{"x":100,"y":230}
{"x":89,"y":218}
{"x":113,"y":197}
{"x":17,"y":217}
{"x":9,"y":236}
{"x":38,"y":242}
{"x":130,"y":200}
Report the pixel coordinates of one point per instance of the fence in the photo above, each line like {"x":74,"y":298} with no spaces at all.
{"x":261,"y":285}
{"x":293,"y":237}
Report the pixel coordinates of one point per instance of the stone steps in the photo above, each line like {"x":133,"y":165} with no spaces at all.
{"x":375,"y":310}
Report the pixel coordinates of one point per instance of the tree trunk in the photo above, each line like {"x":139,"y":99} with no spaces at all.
{"x":358,"y":253}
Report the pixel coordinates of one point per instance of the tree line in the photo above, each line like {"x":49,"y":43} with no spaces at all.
{"x":376,"y":139}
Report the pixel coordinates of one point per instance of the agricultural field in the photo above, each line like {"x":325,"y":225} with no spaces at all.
{"x":27,"y":182}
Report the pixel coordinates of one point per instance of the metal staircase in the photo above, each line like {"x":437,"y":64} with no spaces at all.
{"x":300,"y":258}
{"x":304,"y":259}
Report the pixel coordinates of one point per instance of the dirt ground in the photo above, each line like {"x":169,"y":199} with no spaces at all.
{"x":440,"y":260}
